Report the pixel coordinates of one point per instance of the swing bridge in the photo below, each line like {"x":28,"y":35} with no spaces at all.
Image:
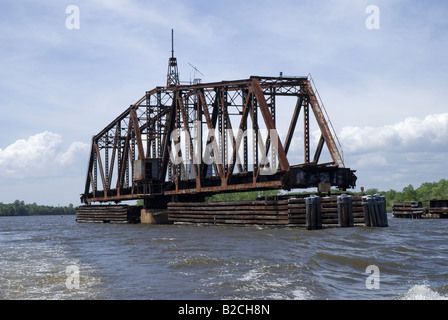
{"x":184,"y":142}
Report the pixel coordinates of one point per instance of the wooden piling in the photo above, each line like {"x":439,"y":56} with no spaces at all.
{"x":370,"y":211}
{"x":345,"y":211}
{"x":382,"y":211}
{"x":375,"y":214}
{"x":366,"y":210}
{"x":313,"y":213}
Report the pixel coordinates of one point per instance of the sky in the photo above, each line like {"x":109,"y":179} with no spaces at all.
{"x":65,"y":75}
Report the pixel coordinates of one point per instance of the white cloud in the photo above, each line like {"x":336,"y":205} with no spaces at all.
{"x":72,"y":154}
{"x":409,"y":135}
{"x":370,"y":160}
{"x":412,"y":151}
{"x":38,"y":156}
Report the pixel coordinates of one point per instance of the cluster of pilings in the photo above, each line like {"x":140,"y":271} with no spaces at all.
{"x":375,"y":214}
{"x":374,"y":211}
{"x":314,"y":214}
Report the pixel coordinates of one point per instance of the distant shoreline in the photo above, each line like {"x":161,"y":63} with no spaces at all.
{"x":19,"y":209}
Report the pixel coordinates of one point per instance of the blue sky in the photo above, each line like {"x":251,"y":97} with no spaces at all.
{"x":384,"y":89}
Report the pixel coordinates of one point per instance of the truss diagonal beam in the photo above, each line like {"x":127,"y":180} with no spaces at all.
{"x":284,"y":163}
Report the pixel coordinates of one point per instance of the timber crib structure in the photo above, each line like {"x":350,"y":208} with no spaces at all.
{"x":181,"y":143}
{"x":438,"y":209}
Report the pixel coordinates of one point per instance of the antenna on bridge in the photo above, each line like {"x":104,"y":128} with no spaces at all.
{"x":195,"y":80}
{"x":172,"y":43}
{"x":173,"y":72}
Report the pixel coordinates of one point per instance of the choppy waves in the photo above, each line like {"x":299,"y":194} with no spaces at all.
{"x":33,"y":266}
{"x":221,"y":262}
{"x":422,"y":292}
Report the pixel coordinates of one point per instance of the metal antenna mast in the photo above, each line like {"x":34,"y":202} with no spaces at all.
{"x":172,"y":43}
{"x":173,"y":73}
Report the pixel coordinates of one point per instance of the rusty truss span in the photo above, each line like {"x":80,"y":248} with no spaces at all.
{"x":186,"y":142}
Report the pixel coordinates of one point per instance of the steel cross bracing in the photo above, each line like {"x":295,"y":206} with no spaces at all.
{"x":207,"y":138}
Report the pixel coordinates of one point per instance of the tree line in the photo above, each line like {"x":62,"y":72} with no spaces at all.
{"x":19,"y":208}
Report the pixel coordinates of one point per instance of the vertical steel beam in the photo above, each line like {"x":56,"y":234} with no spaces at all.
{"x":114,"y":151}
{"x":159,"y":124}
{"x":306,"y":128}
{"x":199,"y":144}
{"x":246,"y":98}
{"x":151,"y":129}
{"x":106,"y":161}
{"x":95,"y":170}
{"x":177,"y":166}
{"x":255,"y":128}
{"x":89,"y":179}
{"x":166,"y":143}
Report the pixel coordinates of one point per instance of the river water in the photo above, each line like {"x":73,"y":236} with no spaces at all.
{"x":54,"y":257}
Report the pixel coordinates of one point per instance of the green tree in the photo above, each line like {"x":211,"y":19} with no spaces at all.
{"x":19,"y":208}
{"x":371,"y":191}
{"x":409,"y":194}
{"x":440,"y":190}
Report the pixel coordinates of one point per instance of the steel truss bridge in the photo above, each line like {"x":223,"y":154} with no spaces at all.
{"x":186,"y":142}
{"x":192,"y":140}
